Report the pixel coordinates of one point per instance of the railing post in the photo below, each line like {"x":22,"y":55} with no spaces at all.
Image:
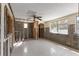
{"x":9,"y":43}
{"x":9,"y":46}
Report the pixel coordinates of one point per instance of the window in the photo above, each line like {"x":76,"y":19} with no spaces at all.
{"x":53,"y":27}
{"x":60,"y":27}
{"x":77,"y":25}
{"x":63,"y":27}
{"x":25,"y":25}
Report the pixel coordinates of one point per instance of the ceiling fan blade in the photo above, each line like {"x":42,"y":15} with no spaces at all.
{"x":40,"y":19}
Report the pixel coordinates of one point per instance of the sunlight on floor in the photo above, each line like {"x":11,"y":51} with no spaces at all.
{"x":17,"y":44}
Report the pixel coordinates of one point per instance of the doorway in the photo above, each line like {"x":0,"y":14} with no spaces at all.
{"x":41,"y":30}
{"x":25,"y":34}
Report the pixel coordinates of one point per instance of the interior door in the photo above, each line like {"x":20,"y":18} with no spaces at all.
{"x":41,"y":30}
{"x":30,"y":30}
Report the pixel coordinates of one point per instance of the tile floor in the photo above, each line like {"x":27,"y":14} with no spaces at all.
{"x":41,"y":48}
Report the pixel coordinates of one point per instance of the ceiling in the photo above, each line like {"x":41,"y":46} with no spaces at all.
{"x":48,"y":11}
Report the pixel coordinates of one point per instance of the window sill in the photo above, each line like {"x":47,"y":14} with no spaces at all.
{"x":59,"y":33}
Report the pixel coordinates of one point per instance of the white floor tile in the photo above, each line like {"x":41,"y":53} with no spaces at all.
{"x":41,"y":48}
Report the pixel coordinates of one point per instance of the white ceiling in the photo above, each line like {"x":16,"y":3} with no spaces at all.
{"x":48,"y":11}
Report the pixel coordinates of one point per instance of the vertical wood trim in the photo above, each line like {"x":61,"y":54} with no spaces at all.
{"x":2,"y":27}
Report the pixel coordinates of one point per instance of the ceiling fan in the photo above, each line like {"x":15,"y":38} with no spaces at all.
{"x":37,"y":17}
{"x":32,"y":15}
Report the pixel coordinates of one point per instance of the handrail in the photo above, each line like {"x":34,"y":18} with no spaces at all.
{"x":9,"y":35}
{"x":9,"y":38}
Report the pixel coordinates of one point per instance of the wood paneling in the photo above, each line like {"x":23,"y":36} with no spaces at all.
{"x":9,"y":22}
{"x":35,"y":29}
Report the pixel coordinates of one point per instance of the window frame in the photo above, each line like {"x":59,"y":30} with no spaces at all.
{"x":57,"y":23}
{"x":62,"y":25}
{"x":76,"y":26}
{"x":51,"y":28}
